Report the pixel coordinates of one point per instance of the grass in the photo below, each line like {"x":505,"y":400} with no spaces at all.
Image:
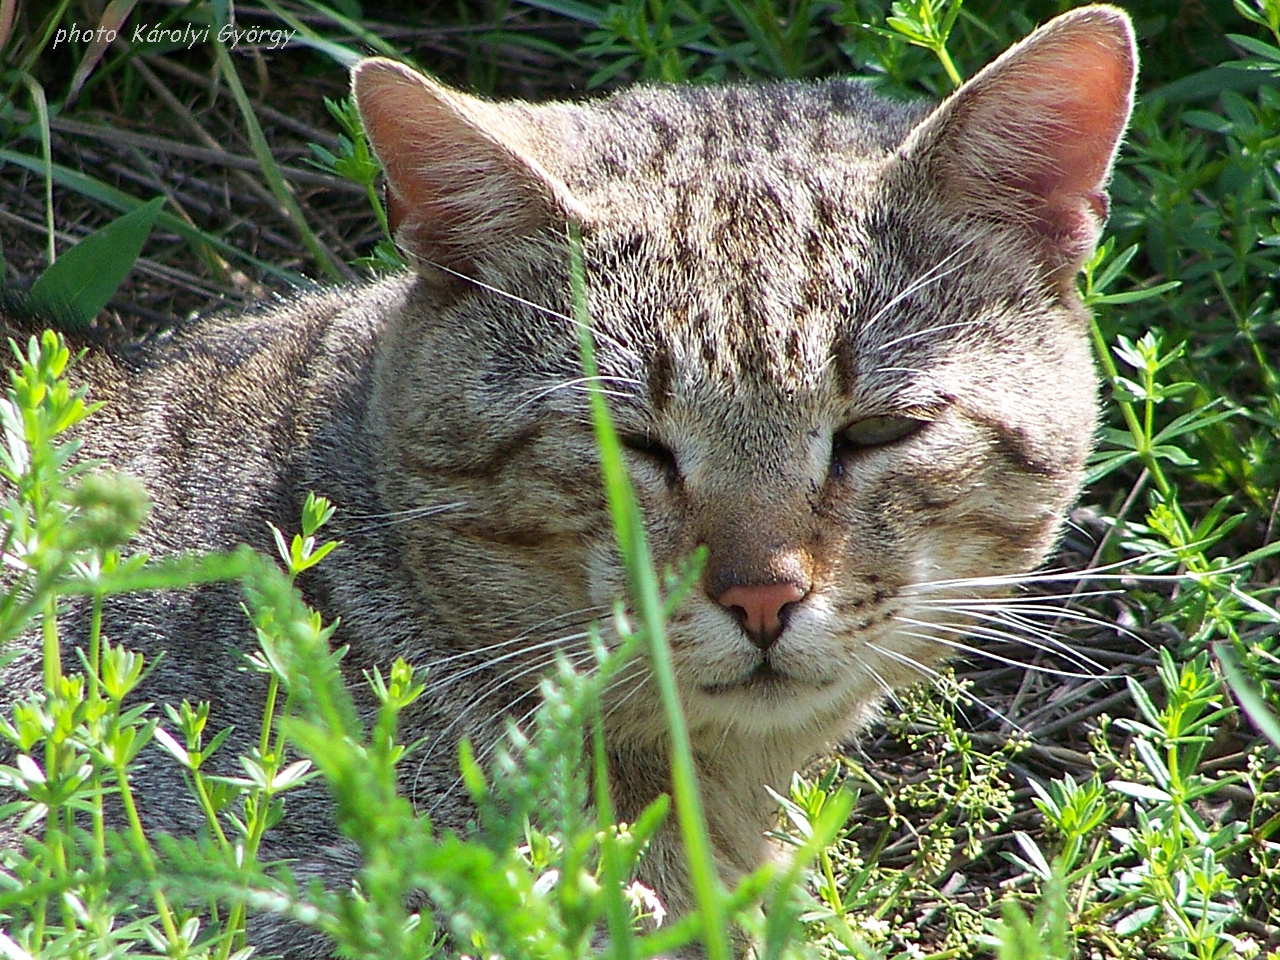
{"x":1128,"y":806}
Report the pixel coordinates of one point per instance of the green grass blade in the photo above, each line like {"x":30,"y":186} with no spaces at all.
{"x":1247,"y":693}
{"x":271,"y":170}
{"x":41,"y":109}
{"x":570,"y":10}
{"x":647,"y":601}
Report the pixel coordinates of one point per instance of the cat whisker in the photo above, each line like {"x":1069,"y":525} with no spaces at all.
{"x":933,"y":275}
{"x":915,"y":370}
{"x":1028,"y":627}
{"x":401,"y":516}
{"x":1117,"y":571}
{"x":1027,"y":613}
{"x":575,"y":660}
{"x":927,"y":331}
{"x":555,"y":644}
{"x":597,"y":334}
{"x":926,"y":671}
{"x":885,"y":687}
{"x":578,"y":382}
{"x":481,"y":696}
{"x":1046,"y":643}
{"x":607,"y":393}
{"x":517,"y":621}
{"x":640,"y":672}
{"x":966,"y":648}
{"x":586,"y":614}
{"x":411,"y":511}
{"x":1017,"y":599}
{"x":1030,"y":622}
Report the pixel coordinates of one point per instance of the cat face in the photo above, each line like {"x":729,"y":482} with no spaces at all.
{"x":849,"y":413}
{"x":839,"y":338}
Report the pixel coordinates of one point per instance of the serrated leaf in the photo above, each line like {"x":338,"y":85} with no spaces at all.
{"x":81,"y":281}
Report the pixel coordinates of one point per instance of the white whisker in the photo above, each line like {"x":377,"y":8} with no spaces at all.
{"x":931,"y":276}
{"x":556,"y":643}
{"x":578,"y":382}
{"x":598,"y":334}
{"x":525,"y":635}
{"x":1025,"y":614}
{"x":479,"y":698}
{"x":928,"y":671}
{"x":1030,"y":628}
{"x":991,"y":633}
{"x":936,"y":328}
{"x":640,"y":672}
{"x":991,"y":654}
{"x":394,"y":517}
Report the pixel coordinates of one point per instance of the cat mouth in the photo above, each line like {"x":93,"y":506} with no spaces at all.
{"x":764,"y":678}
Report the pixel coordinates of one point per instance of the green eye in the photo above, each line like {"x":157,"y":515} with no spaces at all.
{"x":877,"y":431}
{"x":867,"y":433}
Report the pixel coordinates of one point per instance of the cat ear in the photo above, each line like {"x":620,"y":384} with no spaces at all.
{"x":461,"y":183}
{"x":1029,"y":141}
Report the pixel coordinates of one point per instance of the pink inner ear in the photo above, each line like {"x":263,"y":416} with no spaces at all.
{"x":1030,"y":140}
{"x":1090,"y":85}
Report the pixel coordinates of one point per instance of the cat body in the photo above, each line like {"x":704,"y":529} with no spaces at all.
{"x":840,"y":340}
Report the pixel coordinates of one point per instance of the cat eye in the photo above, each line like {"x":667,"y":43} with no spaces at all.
{"x":867,"y":433}
{"x":659,"y":454}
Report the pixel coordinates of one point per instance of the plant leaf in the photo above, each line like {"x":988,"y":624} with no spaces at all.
{"x":81,"y":281}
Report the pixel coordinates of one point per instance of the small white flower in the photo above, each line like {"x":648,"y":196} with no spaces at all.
{"x":875,"y":928}
{"x":646,"y":903}
{"x":542,"y":886}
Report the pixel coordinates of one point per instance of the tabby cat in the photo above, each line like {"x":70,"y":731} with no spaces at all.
{"x":842,"y":343}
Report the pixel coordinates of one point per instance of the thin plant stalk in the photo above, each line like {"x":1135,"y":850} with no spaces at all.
{"x":647,"y":599}
{"x":270,"y":169}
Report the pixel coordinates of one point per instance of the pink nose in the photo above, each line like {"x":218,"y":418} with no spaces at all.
{"x":761,"y":606}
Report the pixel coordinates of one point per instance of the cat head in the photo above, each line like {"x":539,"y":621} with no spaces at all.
{"x":839,"y":336}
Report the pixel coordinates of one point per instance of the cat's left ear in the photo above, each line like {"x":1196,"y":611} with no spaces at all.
{"x":1030,"y":140}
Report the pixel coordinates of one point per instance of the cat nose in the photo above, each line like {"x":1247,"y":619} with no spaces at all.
{"x":762,"y":608}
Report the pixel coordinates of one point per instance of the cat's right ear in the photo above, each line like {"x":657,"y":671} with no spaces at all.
{"x":1028,"y":143}
{"x":462,"y":184}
